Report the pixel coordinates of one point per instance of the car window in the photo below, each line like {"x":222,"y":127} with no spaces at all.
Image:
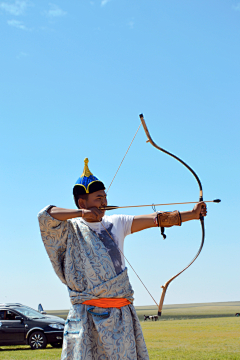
{"x":30,"y":313}
{"x":10,"y":315}
{"x":2,"y":317}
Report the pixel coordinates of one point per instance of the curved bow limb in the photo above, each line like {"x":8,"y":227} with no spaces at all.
{"x":164,"y":287}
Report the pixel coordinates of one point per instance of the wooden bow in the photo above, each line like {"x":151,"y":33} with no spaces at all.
{"x":165,"y":286}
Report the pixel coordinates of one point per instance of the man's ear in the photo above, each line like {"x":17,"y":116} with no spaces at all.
{"x":82,"y":203}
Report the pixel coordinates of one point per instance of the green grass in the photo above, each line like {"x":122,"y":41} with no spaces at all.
{"x":206,"y":338}
{"x":189,"y":332}
{"x":25,"y":353}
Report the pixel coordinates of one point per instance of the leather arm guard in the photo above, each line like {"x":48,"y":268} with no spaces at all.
{"x":168,"y":219}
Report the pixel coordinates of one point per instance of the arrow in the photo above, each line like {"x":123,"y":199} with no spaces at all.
{"x":135,"y":206}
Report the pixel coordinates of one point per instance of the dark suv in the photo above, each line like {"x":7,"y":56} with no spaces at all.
{"x":21,"y":325}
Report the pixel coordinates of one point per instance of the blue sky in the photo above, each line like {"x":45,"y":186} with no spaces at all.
{"x":74,"y":78}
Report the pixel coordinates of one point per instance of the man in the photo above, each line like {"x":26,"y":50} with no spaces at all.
{"x":86,"y":251}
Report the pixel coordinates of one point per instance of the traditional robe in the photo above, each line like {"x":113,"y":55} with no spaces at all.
{"x":82,"y":262}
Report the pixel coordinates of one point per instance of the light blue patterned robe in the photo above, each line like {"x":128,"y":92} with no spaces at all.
{"x":82,"y":262}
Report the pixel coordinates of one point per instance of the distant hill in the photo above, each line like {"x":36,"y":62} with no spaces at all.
{"x":192,"y":311}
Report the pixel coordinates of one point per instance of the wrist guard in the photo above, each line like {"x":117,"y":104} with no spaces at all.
{"x":168,"y":219}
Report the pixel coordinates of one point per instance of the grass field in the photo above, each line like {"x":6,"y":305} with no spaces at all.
{"x":192,"y":331}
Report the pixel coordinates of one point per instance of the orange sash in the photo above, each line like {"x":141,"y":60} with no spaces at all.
{"x":108,"y":302}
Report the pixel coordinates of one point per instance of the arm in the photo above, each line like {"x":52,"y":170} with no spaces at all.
{"x":54,"y":233}
{"x":91,"y":214}
{"x":64,"y":214}
{"x":142,"y":222}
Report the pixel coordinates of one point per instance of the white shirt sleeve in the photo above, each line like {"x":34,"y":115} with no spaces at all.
{"x":126,"y":221}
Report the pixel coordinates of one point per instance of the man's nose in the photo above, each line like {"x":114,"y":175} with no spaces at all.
{"x":104,"y":202}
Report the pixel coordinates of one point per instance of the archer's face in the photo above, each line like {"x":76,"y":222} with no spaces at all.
{"x":97,"y":199}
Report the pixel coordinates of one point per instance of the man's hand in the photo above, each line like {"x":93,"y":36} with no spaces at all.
{"x":200,"y":209}
{"x":92,"y":214}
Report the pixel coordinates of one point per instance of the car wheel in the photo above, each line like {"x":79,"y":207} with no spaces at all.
{"x":56,"y":345}
{"x":37,"y":340}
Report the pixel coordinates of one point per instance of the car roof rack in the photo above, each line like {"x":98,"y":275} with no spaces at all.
{"x":10,"y":304}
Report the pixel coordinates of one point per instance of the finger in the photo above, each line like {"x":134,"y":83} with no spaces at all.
{"x":90,"y":214}
{"x":95,"y":211}
{"x":97,"y":214}
{"x":203,"y":205}
{"x":204,"y":212}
